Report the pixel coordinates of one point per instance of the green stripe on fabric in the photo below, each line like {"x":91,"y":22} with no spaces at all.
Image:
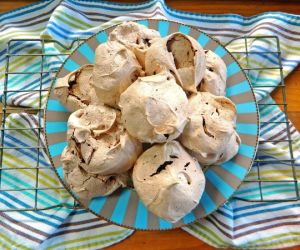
{"x":30,"y":33}
{"x":16,"y":124}
{"x":94,"y":237}
{"x":31,"y":194}
{"x":211,"y":233}
{"x":27,"y":185}
{"x":35,"y":101}
{"x":207,"y":237}
{"x":73,"y":19}
{"x":55,"y":182}
{"x":265,"y":241}
{"x":13,"y":243}
{"x":240,"y":45}
{"x":283,"y":172}
{"x":4,"y":246}
{"x":17,"y":63}
{"x":15,"y":80}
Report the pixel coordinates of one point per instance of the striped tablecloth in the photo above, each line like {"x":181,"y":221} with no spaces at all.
{"x":237,"y":223}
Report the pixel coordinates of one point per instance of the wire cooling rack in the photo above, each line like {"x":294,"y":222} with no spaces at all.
{"x":38,"y":130}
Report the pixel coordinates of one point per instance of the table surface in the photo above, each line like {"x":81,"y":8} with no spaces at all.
{"x":178,"y":239}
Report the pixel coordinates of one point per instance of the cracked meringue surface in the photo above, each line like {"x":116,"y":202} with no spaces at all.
{"x":180,"y":54}
{"x":105,"y":146}
{"x":85,"y":185}
{"x":214,"y":80}
{"x":154,"y":108}
{"x":74,"y":90}
{"x":210,"y":134}
{"x":116,"y":67}
{"x":168,"y":180}
{"x":136,"y":37}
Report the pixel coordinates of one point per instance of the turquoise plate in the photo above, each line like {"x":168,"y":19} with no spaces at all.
{"x":124,"y":206}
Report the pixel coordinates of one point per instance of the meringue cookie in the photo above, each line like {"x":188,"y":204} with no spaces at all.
{"x":154,"y":108}
{"x":74,"y":90}
{"x":85,"y":185}
{"x":180,"y":54}
{"x":115,"y":69}
{"x":168,"y":180}
{"x":214,"y":80}
{"x":210,"y":134}
{"x":136,"y":37}
{"x":106,"y":148}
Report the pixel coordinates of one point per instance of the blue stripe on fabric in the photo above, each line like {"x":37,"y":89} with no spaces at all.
{"x":227,"y":215}
{"x":13,"y":14}
{"x":163,"y":224}
{"x":264,"y":110}
{"x":87,"y":52}
{"x":265,"y":210}
{"x":278,"y":118}
{"x":43,"y":195}
{"x":31,"y":85}
{"x":70,"y":65}
{"x":109,"y":6}
{"x":267,"y":128}
{"x":260,"y":79}
{"x":224,"y":188}
{"x":257,"y":189}
{"x":56,"y":127}
{"x":141,"y":220}
{"x":254,"y":206}
{"x":257,"y":195}
{"x":56,"y":149}
{"x":184,"y":29}
{"x":247,"y":128}
{"x":102,"y":37}
{"x":16,"y":200}
{"x":25,"y":152}
{"x":246,"y":150}
{"x":67,"y":32}
{"x":15,"y":80}
{"x":15,"y":50}
{"x":163,"y":28}
{"x":220,"y":51}
{"x":203,"y":39}
{"x":207,"y":203}
{"x":274,"y":55}
{"x":97,"y":204}
{"x":60,"y":172}
{"x":30,"y":216}
{"x":55,"y":105}
{"x":235,"y":169}
{"x":246,"y":107}
{"x":245,"y":21}
{"x":121,"y":207}
{"x":79,"y":212}
{"x":237,"y":89}
{"x":143,"y":22}
{"x":70,"y":37}
{"x":190,"y":217}
{"x":232,"y":69}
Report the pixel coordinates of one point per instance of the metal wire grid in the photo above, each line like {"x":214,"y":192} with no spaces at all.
{"x":37,"y":130}
{"x":6,"y":110}
{"x":258,"y":161}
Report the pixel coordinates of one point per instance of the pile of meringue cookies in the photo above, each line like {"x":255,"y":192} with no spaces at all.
{"x":150,"y":114}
